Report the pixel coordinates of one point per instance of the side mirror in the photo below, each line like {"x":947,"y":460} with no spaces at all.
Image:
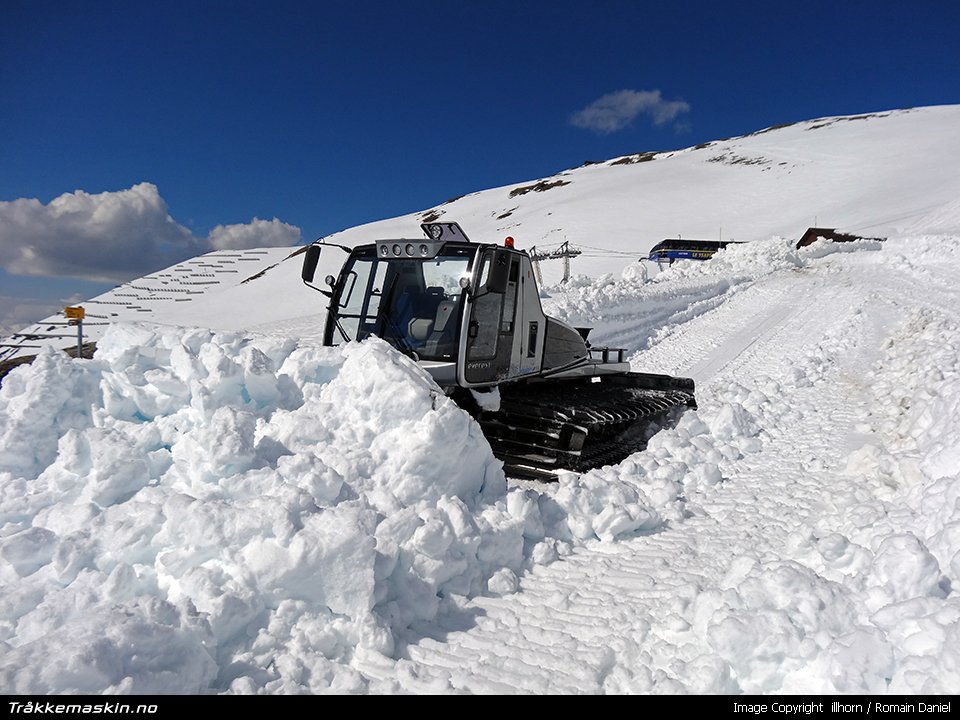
{"x":310,"y":260}
{"x":499,"y":272}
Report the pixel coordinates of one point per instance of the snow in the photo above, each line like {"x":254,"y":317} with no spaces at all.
{"x":205,"y":509}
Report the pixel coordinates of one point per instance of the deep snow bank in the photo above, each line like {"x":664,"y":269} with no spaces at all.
{"x":205,"y":512}
{"x":636,"y":309}
{"x":198,"y":512}
{"x":193,"y":511}
{"x":585,"y":297}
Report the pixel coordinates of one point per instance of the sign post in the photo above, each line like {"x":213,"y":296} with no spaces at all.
{"x":75,"y":316}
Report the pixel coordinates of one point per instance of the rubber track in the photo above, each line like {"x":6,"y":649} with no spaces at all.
{"x":544,"y":427}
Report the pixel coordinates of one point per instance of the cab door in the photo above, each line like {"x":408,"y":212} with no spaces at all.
{"x":531,"y":323}
{"x":491,"y":327}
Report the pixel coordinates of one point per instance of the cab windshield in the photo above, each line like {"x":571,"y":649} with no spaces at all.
{"x":414,"y":304}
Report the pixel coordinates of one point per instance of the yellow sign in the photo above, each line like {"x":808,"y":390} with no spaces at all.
{"x":75,"y":313}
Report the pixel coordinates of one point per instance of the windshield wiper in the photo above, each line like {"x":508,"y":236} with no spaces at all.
{"x":336,"y":321}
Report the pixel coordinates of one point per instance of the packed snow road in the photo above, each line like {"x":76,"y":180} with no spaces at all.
{"x":813,"y":565}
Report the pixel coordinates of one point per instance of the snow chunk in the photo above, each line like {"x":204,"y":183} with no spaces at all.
{"x":903,"y":568}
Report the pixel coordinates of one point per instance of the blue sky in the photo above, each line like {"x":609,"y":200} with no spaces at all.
{"x":326,"y":115}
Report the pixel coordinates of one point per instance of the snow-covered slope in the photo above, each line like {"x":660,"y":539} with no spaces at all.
{"x":878,"y":175}
{"x":217,"y":504}
{"x":875,"y":175}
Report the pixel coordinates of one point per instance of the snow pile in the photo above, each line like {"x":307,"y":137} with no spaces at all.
{"x":914,"y":533}
{"x":610,"y":301}
{"x":659,"y":484}
{"x":194,"y":511}
{"x":635,"y":310}
{"x":783,"y":628}
{"x":866,"y":604}
{"x":685,"y":289}
{"x":922,"y":410}
{"x":245,"y":514}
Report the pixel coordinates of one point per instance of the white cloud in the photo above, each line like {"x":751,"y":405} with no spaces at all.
{"x":107,"y":237}
{"x":114,"y":236}
{"x":617,"y":110}
{"x":256,"y":233}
